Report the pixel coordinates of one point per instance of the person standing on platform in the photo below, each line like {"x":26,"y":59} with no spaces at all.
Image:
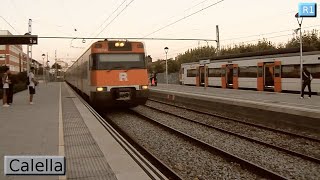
{"x":10,"y":91}
{"x":32,"y":84}
{"x":155,"y":79}
{"x":5,"y":82}
{"x":151,"y":77}
{"x":307,"y":78}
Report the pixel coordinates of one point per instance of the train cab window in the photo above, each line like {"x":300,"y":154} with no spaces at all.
{"x":214,"y":72}
{"x":118,"y":61}
{"x":191,"y":73}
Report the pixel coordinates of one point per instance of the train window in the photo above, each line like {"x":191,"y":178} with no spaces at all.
{"x":290,"y":71}
{"x":223,"y":72}
{"x":314,"y":69}
{"x":191,"y":73}
{"x":90,"y":62}
{"x":277,"y":71}
{"x":182,"y":70}
{"x":260,"y":71}
{"x":248,"y":71}
{"x":214,"y":72}
{"x":118,"y":61}
{"x":235,"y":71}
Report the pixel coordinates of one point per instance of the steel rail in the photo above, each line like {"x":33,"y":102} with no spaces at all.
{"x":147,"y":167}
{"x":295,"y":153}
{"x":252,"y":167}
{"x":240,"y":121}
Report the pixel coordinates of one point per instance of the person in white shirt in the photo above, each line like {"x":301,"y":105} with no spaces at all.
{"x":5,"y":82}
{"x":32,"y":85}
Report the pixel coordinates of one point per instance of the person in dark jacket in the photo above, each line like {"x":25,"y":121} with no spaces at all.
{"x":10,"y":92}
{"x":151,"y":77}
{"x":306,"y":77}
{"x":155,"y":79}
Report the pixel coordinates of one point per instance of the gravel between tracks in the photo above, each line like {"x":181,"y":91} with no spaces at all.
{"x":304,"y":146}
{"x":189,"y":161}
{"x":286,"y":165}
{"x":287,"y":128}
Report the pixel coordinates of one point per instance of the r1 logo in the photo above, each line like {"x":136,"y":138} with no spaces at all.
{"x":307,"y":9}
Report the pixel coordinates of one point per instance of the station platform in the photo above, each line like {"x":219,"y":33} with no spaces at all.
{"x":271,"y":106}
{"x":59,"y":124}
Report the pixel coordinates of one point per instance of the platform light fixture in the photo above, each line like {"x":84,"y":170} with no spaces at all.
{"x":301,"y":62}
{"x":166,"y":49}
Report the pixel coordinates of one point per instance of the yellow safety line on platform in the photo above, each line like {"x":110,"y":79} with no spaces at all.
{"x":61,"y":134}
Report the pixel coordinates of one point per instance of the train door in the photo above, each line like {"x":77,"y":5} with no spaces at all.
{"x":235,"y":76}
{"x":202,"y":76}
{"x":260,"y":81}
{"x":277,"y":76}
{"x":269,"y":76}
{"x":229,"y":75}
{"x":223,"y":76}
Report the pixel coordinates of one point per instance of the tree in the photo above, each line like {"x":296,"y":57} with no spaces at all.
{"x":159,"y":66}
{"x":54,"y":66}
{"x":311,"y":40}
{"x":173,"y":66}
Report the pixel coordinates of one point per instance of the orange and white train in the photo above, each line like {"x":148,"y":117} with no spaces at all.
{"x":111,"y":73}
{"x":272,"y":72}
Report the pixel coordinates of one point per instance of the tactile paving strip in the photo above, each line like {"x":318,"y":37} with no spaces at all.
{"x":84,"y":158}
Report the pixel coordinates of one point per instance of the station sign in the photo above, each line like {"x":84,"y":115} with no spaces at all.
{"x":307,"y":9}
{"x":18,"y":39}
{"x":203,"y":62}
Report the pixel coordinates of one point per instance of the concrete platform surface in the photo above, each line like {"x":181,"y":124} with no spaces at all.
{"x":59,"y":124}
{"x":279,"y":102}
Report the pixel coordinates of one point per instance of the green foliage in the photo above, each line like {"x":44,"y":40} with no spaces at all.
{"x":310,"y":40}
{"x":159,"y":66}
{"x":54,"y":66}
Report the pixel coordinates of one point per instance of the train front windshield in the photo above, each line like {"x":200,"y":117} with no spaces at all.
{"x":118,"y":61}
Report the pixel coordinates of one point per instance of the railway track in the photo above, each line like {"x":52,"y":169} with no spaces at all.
{"x":240,"y":121}
{"x":261,"y":142}
{"x":252,"y":167}
{"x":137,"y":152}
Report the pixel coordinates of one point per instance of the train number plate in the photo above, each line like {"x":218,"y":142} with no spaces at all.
{"x":124,"y":96}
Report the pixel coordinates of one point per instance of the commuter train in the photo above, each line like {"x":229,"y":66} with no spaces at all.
{"x":111,"y":74}
{"x":263,"y":72}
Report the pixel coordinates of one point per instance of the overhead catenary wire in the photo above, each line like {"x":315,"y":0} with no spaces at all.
{"x":109,"y":16}
{"x":262,"y":34}
{"x":115,"y":17}
{"x":126,"y":38}
{"x":184,"y":18}
{"x":111,"y":21}
{"x":10,"y":25}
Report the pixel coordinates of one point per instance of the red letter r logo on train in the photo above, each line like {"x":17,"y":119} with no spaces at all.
{"x":123,"y":76}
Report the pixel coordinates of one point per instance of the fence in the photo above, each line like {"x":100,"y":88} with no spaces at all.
{"x":173,"y":78}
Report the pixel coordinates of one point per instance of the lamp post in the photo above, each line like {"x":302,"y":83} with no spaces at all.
{"x":301,"y":62}
{"x":166,"y":49}
{"x":43,"y":56}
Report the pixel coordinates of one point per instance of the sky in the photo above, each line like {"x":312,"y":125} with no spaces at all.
{"x":238,"y":20}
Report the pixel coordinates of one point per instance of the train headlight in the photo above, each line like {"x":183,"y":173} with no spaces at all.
{"x":121,"y":44}
{"x":144,"y":87}
{"x":99,"y":89}
{"x":117,"y":44}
